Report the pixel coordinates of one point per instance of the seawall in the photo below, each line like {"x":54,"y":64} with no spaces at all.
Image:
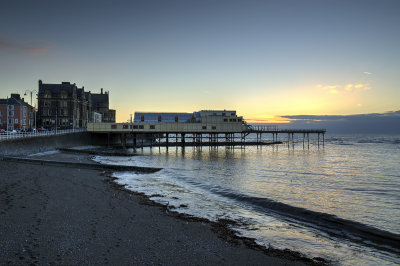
{"x":24,"y":146}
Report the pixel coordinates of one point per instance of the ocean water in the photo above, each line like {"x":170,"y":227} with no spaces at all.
{"x":340,"y":201}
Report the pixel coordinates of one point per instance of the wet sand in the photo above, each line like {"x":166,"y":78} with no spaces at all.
{"x":70,"y":216}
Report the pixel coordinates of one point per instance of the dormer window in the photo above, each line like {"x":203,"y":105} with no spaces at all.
{"x":64,"y":94}
{"x":47,"y":94}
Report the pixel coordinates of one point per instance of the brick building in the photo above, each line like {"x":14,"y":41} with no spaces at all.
{"x":16,"y":114}
{"x":67,"y":106}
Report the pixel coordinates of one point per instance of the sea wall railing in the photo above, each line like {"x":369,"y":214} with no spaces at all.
{"x":15,"y":135}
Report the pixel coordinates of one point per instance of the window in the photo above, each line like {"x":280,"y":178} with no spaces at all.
{"x":113,"y":126}
{"x":16,"y":120}
{"x":130,"y":126}
{"x":239,"y":120}
{"x":141,"y":127}
{"x":225,"y":119}
{"x":232,"y":114}
{"x":152,"y":126}
{"x":233,"y":120}
{"x":204,"y":127}
{"x":159,"y":118}
{"x":64,"y":94}
{"x":47,"y":94}
{"x":125,"y":126}
{"x":10,"y":113}
{"x":176,"y":118}
{"x":135,"y":127}
{"x":230,"y":120}
{"x":142,"y":118}
{"x":213,"y":127}
{"x":223,"y":114}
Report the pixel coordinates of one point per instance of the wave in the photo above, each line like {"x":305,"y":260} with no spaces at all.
{"x":328,"y":223}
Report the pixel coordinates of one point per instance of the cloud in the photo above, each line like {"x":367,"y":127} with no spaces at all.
{"x":388,"y":122}
{"x":357,"y":86}
{"x":33,"y":48}
{"x":350,"y":87}
{"x":367,"y":73}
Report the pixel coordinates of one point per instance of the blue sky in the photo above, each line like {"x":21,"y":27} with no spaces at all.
{"x":266,"y":59}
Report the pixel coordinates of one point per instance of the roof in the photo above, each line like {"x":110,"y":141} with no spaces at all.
{"x":13,"y":101}
{"x":100,"y":98}
{"x":56,"y":88}
{"x":165,"y":117}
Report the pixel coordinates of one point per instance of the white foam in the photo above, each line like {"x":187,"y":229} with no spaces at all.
{"x":45,"y":153}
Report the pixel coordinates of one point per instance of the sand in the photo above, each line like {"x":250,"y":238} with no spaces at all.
{"x":63,"y":215}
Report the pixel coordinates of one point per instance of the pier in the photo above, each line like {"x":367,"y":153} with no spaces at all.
{"x":148,"y":135}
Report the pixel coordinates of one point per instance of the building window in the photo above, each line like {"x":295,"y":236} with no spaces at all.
{"x":159,"y":118}
{"x":141,"y":127}
{"x":113,"y":126}
{"x":239,"y":120}
{"x":16,"y":120}
{"x":213,"y":127}
{"x":225,"y":119}
{"x":233,"y":120}
{"x":176,"y":118}
{"x":125,"y":126}
{"x":232,"y":114}
{"x":204,"y":127}
{"x":135,"y":127}
{"x":152,"y":126}
{"x":142,"y":118}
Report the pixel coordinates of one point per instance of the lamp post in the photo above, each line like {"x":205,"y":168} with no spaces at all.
{"x":34,"y":108}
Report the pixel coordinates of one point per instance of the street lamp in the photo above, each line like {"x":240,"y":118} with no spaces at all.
{"x":34,"y":109}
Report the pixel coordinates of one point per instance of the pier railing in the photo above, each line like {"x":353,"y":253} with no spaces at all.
{"x":274,"y":129}
{"x":15,"y":135}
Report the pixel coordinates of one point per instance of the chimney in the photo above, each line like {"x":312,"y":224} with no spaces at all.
{"x":40,"y":82}
{"x":101,"y":90}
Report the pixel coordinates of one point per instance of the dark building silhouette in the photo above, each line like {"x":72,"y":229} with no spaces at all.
{"x":67,"y":106}
{"x":100,"y":103}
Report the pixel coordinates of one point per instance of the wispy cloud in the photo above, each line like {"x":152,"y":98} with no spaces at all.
{"x":367,"y":73}
{"x":33,"y":48}
{"x":335,"y":89}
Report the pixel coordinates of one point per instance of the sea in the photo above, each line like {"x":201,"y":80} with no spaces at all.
{"x":339,"y":200}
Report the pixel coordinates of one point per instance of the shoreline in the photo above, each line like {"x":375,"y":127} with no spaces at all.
{"x":221,"y":228}
{"x":46,"y":208}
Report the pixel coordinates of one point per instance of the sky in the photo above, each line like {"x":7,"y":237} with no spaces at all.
{"x":269,"y":60}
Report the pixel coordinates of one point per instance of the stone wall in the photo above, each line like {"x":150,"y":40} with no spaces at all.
{"x":26,"y":146}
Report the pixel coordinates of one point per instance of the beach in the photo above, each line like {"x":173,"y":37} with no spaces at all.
{"x":67,"y":215}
